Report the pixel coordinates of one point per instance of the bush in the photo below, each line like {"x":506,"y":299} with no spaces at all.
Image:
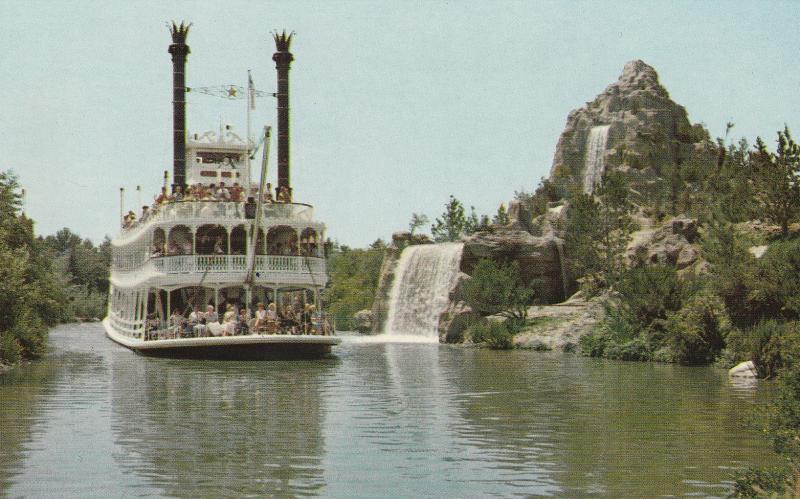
{"x":493,"y":334}
{"x":10,"y":349}
{"x":773,"y":346}
{"x":495,"y":288}
{"x":696,"y":333}
{"x":759,"y":482}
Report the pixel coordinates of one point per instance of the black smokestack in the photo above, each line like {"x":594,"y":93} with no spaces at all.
{"x":179,"y":51}
{"x":283,"y":60}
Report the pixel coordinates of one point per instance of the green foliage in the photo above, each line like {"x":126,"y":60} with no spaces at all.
{"x":501,"y":217}
{"x":783,"y":429}
{"x":598,"y":229}
{"x":730,"y":265}
{"x":452,"y":223}
{"x":634,"y":325}
{"x":753,"y":289}
{"x":777,"y":180}
{"x":696,"y":333}
{"x":773,"y":346}
{"x":759,"y":482}
{"x":353,"y":279}
{"x":495,"y":289}
{"x":494,"y":334}
{"x":30,"y":299}
{"x":536,"y":203}
{"x":417,"y":220}
{"x":82,"y":270}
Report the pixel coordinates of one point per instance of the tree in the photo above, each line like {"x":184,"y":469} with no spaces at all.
{"x":501,"y":218}
{"x":417,"y":220}
{"x":598,"y":229}
{"x":777,"y":180}
{"x":30,"y":298}
{"x":496,"y":289}
{"x":452,"y":223}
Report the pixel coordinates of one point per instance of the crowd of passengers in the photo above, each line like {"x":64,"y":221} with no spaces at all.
{"x":290,"y":319}
{"x":218,"y":247}
{"x":211,"y":192}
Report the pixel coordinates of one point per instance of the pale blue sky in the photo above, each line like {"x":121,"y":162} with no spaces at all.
{"x":395,"y":104}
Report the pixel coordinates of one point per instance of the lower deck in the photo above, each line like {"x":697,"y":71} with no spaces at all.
{"x":243,"y":347}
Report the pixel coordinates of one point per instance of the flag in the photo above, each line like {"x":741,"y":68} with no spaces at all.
{"x":251,"y":91}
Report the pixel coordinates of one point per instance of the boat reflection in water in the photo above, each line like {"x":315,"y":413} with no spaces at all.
{"x":216,"y":429}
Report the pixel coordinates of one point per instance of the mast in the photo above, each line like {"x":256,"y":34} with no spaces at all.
{"x":251,"y":251}
{"x":179,"y":51}
{"x":283,"y":60}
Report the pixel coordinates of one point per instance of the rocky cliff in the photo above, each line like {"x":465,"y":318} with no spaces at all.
{"x":648,"y":132}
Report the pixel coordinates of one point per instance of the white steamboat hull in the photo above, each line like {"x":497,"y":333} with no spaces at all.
{"x":247,"y":347}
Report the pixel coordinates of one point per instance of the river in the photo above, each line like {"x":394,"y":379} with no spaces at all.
{"x":93,"y":419}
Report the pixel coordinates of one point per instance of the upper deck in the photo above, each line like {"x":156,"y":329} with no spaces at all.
{"x":177,"y":242}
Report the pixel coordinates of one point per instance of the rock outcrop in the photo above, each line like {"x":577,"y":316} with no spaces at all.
{"x":671,"y":244}
{"x":647,"y":130}
{"x":560,"y":327}
{"x":363,"y":320}
{"x":539,"y":258}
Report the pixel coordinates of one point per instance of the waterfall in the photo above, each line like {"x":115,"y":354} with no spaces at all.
{"x":595,"y":157}
{"x":419,"y":294}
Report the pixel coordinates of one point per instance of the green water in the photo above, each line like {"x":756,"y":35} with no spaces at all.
{"x":409,"y":420}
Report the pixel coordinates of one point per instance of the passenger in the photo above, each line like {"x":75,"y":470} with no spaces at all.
{"x":297,"y":305}
{"x":209,"y":323}
{"x":173,"y":249}
{"x":158,"y":251}
{"x":229,"y":321}
{"x":163,"y":197}
{"x":192,"y":321}
{"x":243,"y":326}
{"x":272,"y":314}
{"x":316,"y":321}
{"x":236,"y":192}
{"x":261,"y":316}
{"x":307,"y":322}
{"x":268,"y":194}
{"x":218,"y":246}
{"x":176,"y":321}
{"x":289,"y":321}
{"x":178,"y":194}
{"x":223,"y":194}
{"x":130,"y":219}
{"x":187,"y":248}
{"x":145,"y":213}
{"x":211,"y":193}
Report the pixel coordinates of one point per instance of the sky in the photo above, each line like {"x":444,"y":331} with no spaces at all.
{"x":396,"y":105}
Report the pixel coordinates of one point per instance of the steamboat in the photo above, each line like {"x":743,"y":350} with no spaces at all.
{"x":220,"y":267}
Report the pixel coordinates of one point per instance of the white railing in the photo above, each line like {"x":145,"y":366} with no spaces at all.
{"x":237,"y":263}
{"x":131,"y":328}
{"x":185,"y":211}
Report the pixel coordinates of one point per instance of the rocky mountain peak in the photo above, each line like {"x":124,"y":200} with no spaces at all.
{"x":643,"y":127}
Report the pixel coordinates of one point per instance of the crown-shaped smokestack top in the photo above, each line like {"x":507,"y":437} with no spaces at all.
{"x":180,"y":31}
{"x":282,"y":40}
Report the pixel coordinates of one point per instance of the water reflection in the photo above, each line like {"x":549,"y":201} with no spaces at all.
{"x":610,"y":428}
{"x":93,"y":419}
{"x":221,"y":428}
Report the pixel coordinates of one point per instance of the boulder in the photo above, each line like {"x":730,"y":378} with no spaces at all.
{"x":667,"y":245}
{"x":743,"y":370}
{"x":539,"y":258}
{"x":363,"y":321}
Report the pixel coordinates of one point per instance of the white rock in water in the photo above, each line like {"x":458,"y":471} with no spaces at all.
{"x":758,"y":251}
{"x":744,"y":370}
